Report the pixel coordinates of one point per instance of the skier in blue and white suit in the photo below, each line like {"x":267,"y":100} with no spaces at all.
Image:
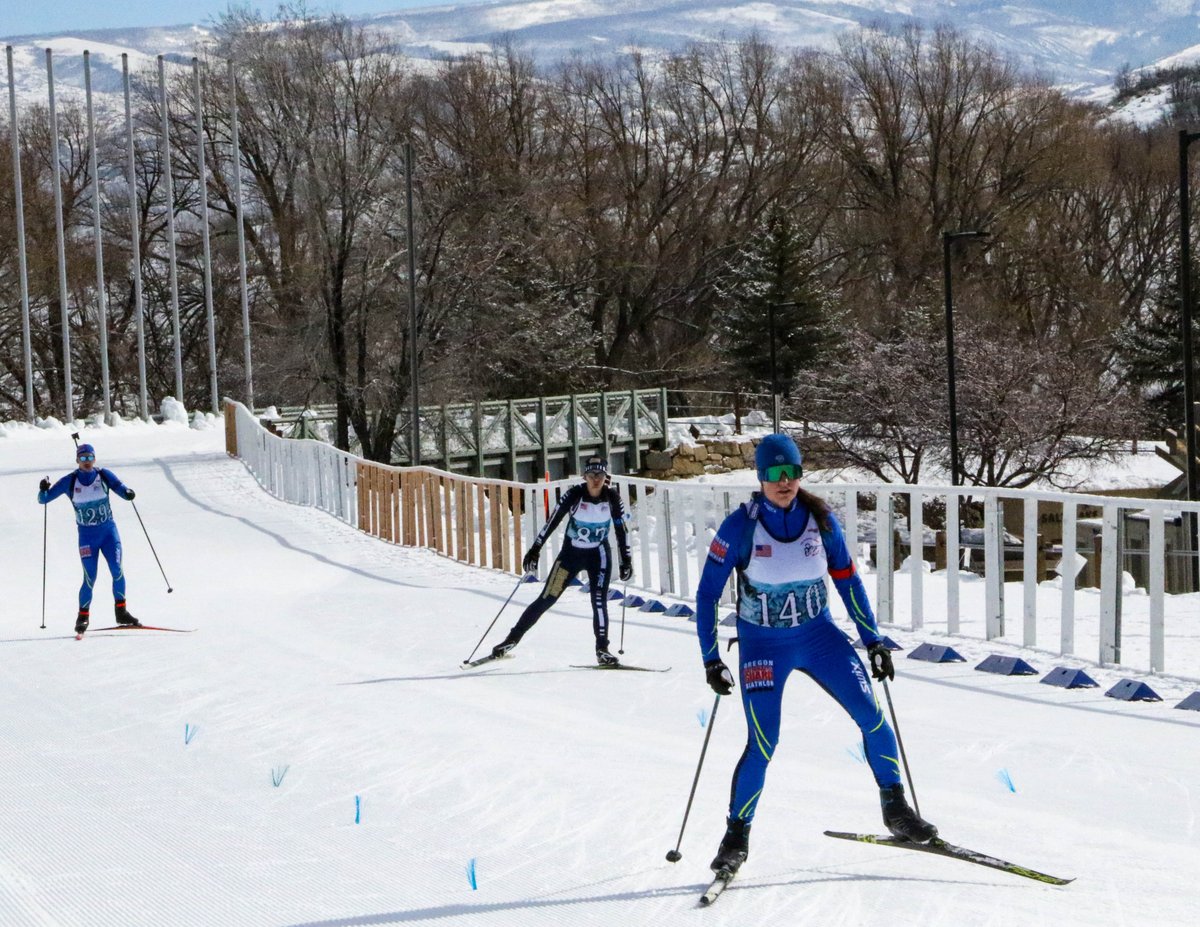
{"x":591,"y":509}
{"x":782,"y":544}
{"x":89,"y":490}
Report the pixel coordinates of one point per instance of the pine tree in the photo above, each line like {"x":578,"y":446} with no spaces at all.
{"x":1150,"y":349}
{"x":775,"y":269}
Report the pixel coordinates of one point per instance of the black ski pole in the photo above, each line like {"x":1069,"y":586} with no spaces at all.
{"x":45,"y":524}
{"x":674,"y":856}
{"x":497,"y":618}
{"x":624,"y":596}
{"x":900,"y":744}
{"x":152,"y":550}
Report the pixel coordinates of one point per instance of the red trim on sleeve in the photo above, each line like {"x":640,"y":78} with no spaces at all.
{"x":842,"y":574}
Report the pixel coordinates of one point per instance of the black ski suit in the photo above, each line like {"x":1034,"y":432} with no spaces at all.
{"x":586,"y":548}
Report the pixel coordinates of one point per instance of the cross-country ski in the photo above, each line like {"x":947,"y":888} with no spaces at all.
{"x":939,"y":847}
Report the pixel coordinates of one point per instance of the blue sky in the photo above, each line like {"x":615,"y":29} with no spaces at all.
{"x":33,"y":17}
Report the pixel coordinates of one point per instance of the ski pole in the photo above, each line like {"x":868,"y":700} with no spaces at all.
{"x":674,"y":856}
{"x":45,"y":522}
{"x":900,"y":744}
{"x":152,"y":550}
{"x":497,"y":618}
{"x":624,"y":596}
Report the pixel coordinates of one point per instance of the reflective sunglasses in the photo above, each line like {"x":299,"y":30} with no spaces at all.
{"x":774,"y":474}
{"x":87,"y":458}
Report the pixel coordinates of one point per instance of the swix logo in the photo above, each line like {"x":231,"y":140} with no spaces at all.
{"x":718,"y":550}
{"x":813,"y":548}
{"x":861,"y":676}
{"x":758,"y":674}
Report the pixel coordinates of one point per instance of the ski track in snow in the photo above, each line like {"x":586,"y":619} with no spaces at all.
{"x":335,"y":656}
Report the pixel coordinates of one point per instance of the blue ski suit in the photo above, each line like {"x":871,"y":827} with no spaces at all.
{"x":89,"y":491}
{"x":784,"y":624}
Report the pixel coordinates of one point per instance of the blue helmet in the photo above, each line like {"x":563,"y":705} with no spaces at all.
{"x":84,"y":449}
{"x":775,"y":450}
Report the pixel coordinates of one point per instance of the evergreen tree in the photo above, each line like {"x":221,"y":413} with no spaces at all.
{"x":776,"y":268}
{"x":1150,"y":348}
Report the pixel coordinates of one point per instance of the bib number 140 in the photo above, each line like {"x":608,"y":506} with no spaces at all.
{"x":795,"y":609}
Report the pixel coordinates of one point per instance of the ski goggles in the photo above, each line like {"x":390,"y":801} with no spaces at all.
{"x":86,"y":458}
{"x":777,"y":472}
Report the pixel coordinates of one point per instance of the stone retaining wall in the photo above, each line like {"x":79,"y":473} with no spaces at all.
{"x":707,"y":455}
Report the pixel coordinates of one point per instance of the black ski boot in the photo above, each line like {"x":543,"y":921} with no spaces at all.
{"x":124,"y":618}
{"x":502,"y":648}
{"x":735,"y":847}
{"x":81,"y":622}
{"x":604,"y":658}
{"x":901,"y":820}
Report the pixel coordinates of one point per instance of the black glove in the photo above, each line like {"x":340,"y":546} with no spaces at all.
{"x":626,"y":569}
{"x":530,"y":563}
{"x":129,"y":494}
{"x":881,"y":661}
{"x":719,"y":677}
{"x":44,"y":485}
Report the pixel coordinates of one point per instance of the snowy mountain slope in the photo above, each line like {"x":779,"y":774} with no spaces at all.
{"x":1079,"y":43}
{"x":331,"y":659}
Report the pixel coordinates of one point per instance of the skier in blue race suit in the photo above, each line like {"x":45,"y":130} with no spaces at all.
{"x":591,"y":507}
{"x":89,"y":490}
{"x":782,"y":543}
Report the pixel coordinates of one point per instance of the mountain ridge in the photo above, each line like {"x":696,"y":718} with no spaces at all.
{"x":1078,"y":44}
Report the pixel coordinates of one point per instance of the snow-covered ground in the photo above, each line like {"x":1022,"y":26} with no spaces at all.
{"x":139,"y":766}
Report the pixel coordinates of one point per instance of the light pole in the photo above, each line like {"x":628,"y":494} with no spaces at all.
{"x":414,"y":444}
{"x":1185,"y":298}
{"x":947,"y":239}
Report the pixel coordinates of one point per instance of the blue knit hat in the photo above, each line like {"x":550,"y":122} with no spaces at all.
{"x":84,"y":449}
{"x":775,"y":449}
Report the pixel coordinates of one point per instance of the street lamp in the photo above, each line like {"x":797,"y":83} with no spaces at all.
{"x":947,"y":239}
{"x":1185,"y":298}
{"x":774,"y":377}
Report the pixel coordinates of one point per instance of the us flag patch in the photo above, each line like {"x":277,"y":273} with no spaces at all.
{"x":762,"y":550}
{"x":85,"y":551}
{"x":718,"y":550}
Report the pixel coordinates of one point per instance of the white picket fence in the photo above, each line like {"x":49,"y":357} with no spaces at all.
{"x":491,"y":522}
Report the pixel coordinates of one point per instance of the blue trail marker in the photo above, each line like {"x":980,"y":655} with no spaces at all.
{"x":471,"y":874}
{"x":357,"y":810}
{"x":188,"y":733}
{"x":1006,"y":780}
